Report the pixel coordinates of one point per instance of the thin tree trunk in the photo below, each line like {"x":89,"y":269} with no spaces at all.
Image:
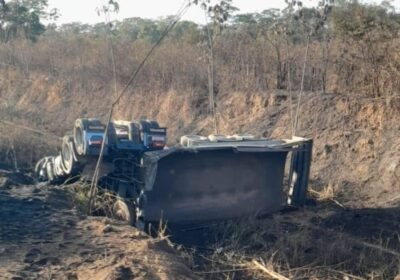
{"x":301,"y":85}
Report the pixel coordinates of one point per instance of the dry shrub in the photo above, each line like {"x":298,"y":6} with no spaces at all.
{"x":328,"y":192}
{"x":21,"y":149}
{"x":301,"y":245}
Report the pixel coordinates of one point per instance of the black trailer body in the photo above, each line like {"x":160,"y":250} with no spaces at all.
{"x":225,"y":180}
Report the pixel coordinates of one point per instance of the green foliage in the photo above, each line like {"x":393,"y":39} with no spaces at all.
{"x":220,"y":12}
{"x":113,"y":6}
{"x":75,"y":28}
{"x":23,"y":18}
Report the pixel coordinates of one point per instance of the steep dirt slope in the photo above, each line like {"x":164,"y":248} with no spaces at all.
{"x":356,"y":162}
{"x":43,"y":237}
{"x":357,"y":149}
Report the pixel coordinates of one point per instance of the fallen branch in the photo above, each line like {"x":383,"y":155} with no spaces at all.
{"x":351,"y":276}
{"x":271,"y":273}
{"x":224,"y":271}
{"x":331,"y":199}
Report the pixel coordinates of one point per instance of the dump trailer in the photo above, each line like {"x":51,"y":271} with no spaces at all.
{"x":202,"y":179}
{"x":222,"y":180}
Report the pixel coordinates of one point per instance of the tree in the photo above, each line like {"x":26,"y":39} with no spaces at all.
{"x":219,"y":14}
{"x":23,"y":18}
{"x":369,"y":30}
{"x":246,"y":23}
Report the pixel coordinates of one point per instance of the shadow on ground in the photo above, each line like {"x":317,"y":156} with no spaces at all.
{"x":322,"y":241}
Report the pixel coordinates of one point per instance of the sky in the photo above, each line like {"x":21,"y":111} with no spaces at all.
{"x":85,"y":10}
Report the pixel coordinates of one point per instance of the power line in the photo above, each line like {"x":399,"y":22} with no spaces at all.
{"x":93,"y":187}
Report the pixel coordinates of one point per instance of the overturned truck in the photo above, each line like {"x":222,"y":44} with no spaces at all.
{"x":201,"y":179}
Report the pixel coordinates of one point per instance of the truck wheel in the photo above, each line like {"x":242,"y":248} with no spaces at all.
{"x":135,"y":131}
{"x":79,"y":137}
{"x":144,"y":128}
{"x":50,"y":170}
{"x":39,"y":166}
{"x":71,"y":161}
{"x":124,"y":211}
{"x":80,"y":128}
{"x":59,"y":167}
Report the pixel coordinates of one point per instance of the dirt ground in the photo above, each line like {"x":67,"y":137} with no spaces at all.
{"x":42,"y":236}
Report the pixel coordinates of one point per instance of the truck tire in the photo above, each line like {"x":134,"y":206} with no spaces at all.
{"x":59,"y":167}
{"x":69,"y":157}
{"x":79,"y":135}
{"x":50,"y":169}
{"x":112,"y":135}
{"x":144,"y":127}
{"x":135,"y":132}
{"x":41,"y":170}
{"x":80,"y":128}
{"x":39,"y":167}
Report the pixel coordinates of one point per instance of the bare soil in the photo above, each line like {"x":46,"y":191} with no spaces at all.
{"x":42,"y":236}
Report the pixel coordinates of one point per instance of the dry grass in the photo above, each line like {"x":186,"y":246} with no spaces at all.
{"x":302,"y":245}
{"x":80,"y":195}
{"x":21,"y":149}
{"x":328,"y":193}
{"x":103,"y":202}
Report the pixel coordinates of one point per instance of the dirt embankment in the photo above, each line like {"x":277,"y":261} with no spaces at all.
{"x":356,"y":163}
{"x":356,"y":154}
{"x":42,"y":236}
